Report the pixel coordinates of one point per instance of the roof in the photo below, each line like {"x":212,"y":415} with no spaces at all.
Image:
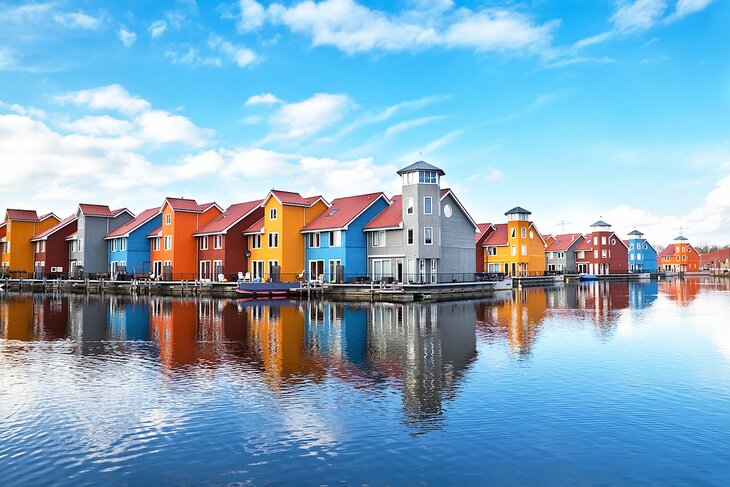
{"x":390,"y":217}
{"x":134,"y":224}
{"x":421,"y":166}
{"x":482,"y":229}
{"x":343,"y":211}
{"x":291,"y":198}
{"x":681,"y":238}
{"x":563,"y":242}
{"x":233,"y":214}
{"x":22,"y":215}
{"x":58,"y":226}
{"x":498,"y":236}
{"x":157,"y":232}
{"x":517,"y":210}
{"x":636,"y":232}
{"x":188,"y":205}
{"x":587,"y":243}
{"x":601,"y":223}
{"x":257,"y":227}
{"x":668,"y":250}
{"x":73,"y":236}
{"x":96,"y":210}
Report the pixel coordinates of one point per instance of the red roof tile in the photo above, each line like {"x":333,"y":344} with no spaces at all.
{"x":668,"y":250}
{"x":134,"y":223}
{"x":228,"y":218}
{"x":48,"y":215}
{"x":294,"y":199}
{"x":22,"y":215}
{"x":256,"y":227}
{"x":563,"y":242}
{"x":342,"y":212}
{"x":587,"y":243}
{"x":390,"y":217}
{"x":498,"y":237}
{"x":183,"y":204}
{"x":482,"y":230}
{"x":157,"y":232}
{"x":96,"y":210}
{"x":58,"y":226}
{"x":73,"y":236}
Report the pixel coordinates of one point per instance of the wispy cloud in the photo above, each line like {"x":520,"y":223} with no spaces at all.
{"x":77,"y":20}
{"x":126,"y":36}
{"x":157,"y":28}
{"x":263,"y":99}
{"x":409,"y":124}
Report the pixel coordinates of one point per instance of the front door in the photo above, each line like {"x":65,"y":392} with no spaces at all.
{"x":514,"y":269}
{"x":204,"y":269}
{"x":257,"y":269}
{"x":316,"y":269}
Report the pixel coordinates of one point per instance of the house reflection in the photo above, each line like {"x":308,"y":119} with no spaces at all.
{"x":16,"y":318}
{"x":642,"y":294}
{"x":681,"y":291}
{"x":129,"y":318}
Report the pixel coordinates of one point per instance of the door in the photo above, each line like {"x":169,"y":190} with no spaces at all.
{"x":257,"y":269}
{"x":399,"y":270}
{"x":316,"y":269}
{"x":514,"y":269}
{"x":205,"y":269}
{"x":157,"y":268}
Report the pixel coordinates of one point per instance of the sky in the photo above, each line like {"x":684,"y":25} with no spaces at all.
{"x":576,"y":110}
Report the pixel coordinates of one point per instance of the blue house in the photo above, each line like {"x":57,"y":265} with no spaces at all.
{"x":642,"y":256}
{"x":129,"y":248}
{"x":336,"y":246}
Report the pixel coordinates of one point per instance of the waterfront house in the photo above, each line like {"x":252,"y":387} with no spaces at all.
{"x":642,"y":255}
{"x":174,"y":252}
{"x":221,"y":245}
{"x":336,"y":246}
{"x":17,"y":249}
{"x":88,"y":253}
{"x":275,"y":241}
{"x":484,"y":231}
{"x":129,"y":249}
{"x":717,"y":261}
{"x":680,"y":256}
{"x":425,"y":235}
{"x":51,"y":249}
{"x":560,"y":252}
{"x":515,"y":248}
{"x":602,"y":252}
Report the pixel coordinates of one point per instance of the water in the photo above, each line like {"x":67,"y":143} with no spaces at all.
{"x":582,"y":384}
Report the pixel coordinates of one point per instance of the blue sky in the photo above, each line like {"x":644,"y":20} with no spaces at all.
{"x":575,"y":110}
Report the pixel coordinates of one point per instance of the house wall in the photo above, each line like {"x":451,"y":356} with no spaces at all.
{"x":93,"y":230}
{"x":617,"y":253}
{"x":56,"y":254}
{"x":648,"y":261}
{"x":22,"y":251}
{"x":535,"y":258}
{"x":457,"y":249}
{"x":137,"y":255}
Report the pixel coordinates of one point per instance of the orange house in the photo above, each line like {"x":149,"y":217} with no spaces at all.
{"x":174,"y":253}
{"x":18,"y":252}
{"x":680,"y":256}
{"x":515,"y":248}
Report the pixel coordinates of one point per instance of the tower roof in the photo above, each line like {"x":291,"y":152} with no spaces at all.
{"x":421,"y":166}
{"x":681,"y":238}
{"x":636,"y":232}
{"x":601,"y":223}
{"x":517,"y":210}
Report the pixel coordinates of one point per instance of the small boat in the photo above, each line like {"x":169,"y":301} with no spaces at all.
{"x":588,"y":277}
{"x":255,"y":290}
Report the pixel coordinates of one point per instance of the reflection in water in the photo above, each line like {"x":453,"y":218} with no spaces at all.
{"x":681,"y":291}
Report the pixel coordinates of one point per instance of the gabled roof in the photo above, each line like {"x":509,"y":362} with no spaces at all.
{"x":256,"y":228}
{"x":233,"y":214}
{"x":291,"y":198}
{"x":96,"y":210}
{"x":73,"y":236}
{"x":21,"y":215}
{"x":390,"y":217}
{"x":563,"y":242}
{"x":518,"y":210}
{"x":446,"y":192}
{"x":343,"y":211}
{"x":134,"y":224}
{"x":157,"y":232}
{"x":187,"y":205}
{"x":58,"y":226}
{"x":482,"y":229}
{"x":421,"y":166}
{"x":498,"y":237}
{"x":668,"y":251}
{"x":587,"y":243}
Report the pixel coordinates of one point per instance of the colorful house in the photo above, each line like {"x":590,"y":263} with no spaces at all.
{"x":129,"y":249}
{"x":515,"y":248}
{"x":19,"y":228}
{"x":222,"y":247}
{"x":680,"y":256}
{"x":425,"y":235}
{"x":88,"y":252}
{"x":275,"y":241}
{"x":560,"y":252}
{"x":642,"y":256}
{"x":717,"y":261}
{"x":174,"y":251}
{"x":51,"y":249}
{"x":602,"y":252}
{"x":336,"y":246}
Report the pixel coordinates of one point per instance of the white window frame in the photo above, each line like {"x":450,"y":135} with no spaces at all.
{"x":427,"y":205}
{"x":217,"y":241}
{"x":273,"y":236}
{"x":123,"y":244}
{"x":336,"y":238}
{"x":168,"y":219}
{"x":513,"y":250}
{"x":523,"y":249}
{"x":203,"y":242}
{"x":273,"y":214}
{"x":256,"y":241}
{"x":315,"y":240}
{"x":168,"y":242}
{"x":410,"y":205}
{"x":410,"y":236}
{"x":425,"y":241}
{"x":156,"y":243}
{"x":523,"y":232}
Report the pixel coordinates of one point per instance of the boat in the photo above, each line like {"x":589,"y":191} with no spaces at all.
{"x":266,"y":289}
{"x":588,"y":277}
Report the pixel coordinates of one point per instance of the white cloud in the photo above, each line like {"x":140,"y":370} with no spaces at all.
{"x":157,"y":28}
{"x":163,"y":127}
{"x":493,"y":174}
{"x":308,"y":117}
{"x":242,"y":56}
{"x":196,"y":165}
{"x":263,"y":99}
{"x":333,"y":178}
{"x":99,"y":125}
{"x":687,"y":7}
{"x":21,"y":110}
{"x":111,"y":97}
{"x":637,"y":16}
{"x":77,"y":20}
{"x":252,"y":15}
{"x":127,"y":37}
{"x":192,"y":58}
{"x":259,"y":163}
{"x":500,"y":30}
{"x":409,"y":124}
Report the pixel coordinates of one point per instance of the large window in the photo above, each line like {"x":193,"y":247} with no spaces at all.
{"x":491,"y":250}
{"x":427,"y":205}
{"x":336,"y":238}
{"x":256,"y":241}
{"x":378,"y":238}
{"x":427,"y":177}
{"x":273,"y":240}
{"x":428,"y":236}
{"x":156,"y":244}
{"x":218,"y":242}
{"x":168,"y":242}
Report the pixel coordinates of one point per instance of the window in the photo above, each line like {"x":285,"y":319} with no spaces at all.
{"x":314,"y":240}
{"x":595,"y":254}
{"x":514,"y":250}
{"x":491,"y":250}
{"x":334,"y":210}
{"x":273,"y":240}
{"x":549,"y":255}
{"x":638,"y":257}
{"x":168,"y":242}
{"x":203,"y":243}
{"x":156,"y":243}
{"x":514,"y":233}
{"x":523,"y":232}
{"x":409,"y":206}
{"x":123,"y":244}
{"x":428,"y":236}
{"x":336,"y":238}
{"x":168,"y":219}
{"x":631,"y":256}
{"x":604,"y":254}
{"x":646,"y":247}
{"x":81,"y":245}
{"x":684,"y":257}
{"x":603,"y":240}
{"x":524,"y":249}
{"x":272,"y":214}
{"x":410,"y":236}
{"x":256,"y":241}
{"x":333,"y":268}
{"x":378,"y":238}
{"x":427,"y":177}
{"x":114,"y":245}
{"x":581,"y":254}
{"x":613,"y":241}
{"x":218,"y":242}
{"x":427,"y":205}
{"x":684,"y":249}
{"x":595,"y":240}
{"x":631,"y":246}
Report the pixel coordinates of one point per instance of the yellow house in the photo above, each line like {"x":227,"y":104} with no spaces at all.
{"x":18,"y":252}
{"x":275,"y":242}
{"x":515,"y":248}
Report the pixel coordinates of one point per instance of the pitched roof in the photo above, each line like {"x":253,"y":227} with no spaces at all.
{"x":517,"y":210}
{"x":22,"y":215}
{"x":291,"y":198}
{"x":587,"y":243}
{"x":134,"y":223}
{"x":96,"y":210}
{"x":73,"y":236}
{"x":421,"y":166}
{"x":185,"y":204}
{"x":157,"y":232}
{"x":58,"y":226}
{"x":233,"y":214}
{"x":636,"y":232}
{"x":390,"y":217}
{"x":482,"y":229}
{"x":343,"y":211}
{"x":601,"y":223}
{"x":498,"y":237}
{"x":563,"y":242}
{"x":257,"y":227}
{"x":668,"y":250}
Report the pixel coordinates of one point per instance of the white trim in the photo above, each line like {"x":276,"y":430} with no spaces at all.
{"x":382,"y":195}
{"x":468,"y":216}
{"x":126,"y":235}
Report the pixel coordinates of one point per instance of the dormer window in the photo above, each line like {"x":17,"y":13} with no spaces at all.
{"x":334,"y":210}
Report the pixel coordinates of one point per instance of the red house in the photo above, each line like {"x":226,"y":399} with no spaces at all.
{"x":485,"y":230}
{"x":51,"y":249}
{"x":602,"y":252}
{"x":222,"y":248}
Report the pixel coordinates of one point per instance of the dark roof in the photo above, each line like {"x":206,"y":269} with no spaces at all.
{"x":518,"y":210}
{"x":601,"y":223}
{"x":681,"y":238}
{"x":421,"y":166}
{"x":635,"y":232}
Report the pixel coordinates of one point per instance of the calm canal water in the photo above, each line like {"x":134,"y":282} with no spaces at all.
{"x":582,"y":384}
